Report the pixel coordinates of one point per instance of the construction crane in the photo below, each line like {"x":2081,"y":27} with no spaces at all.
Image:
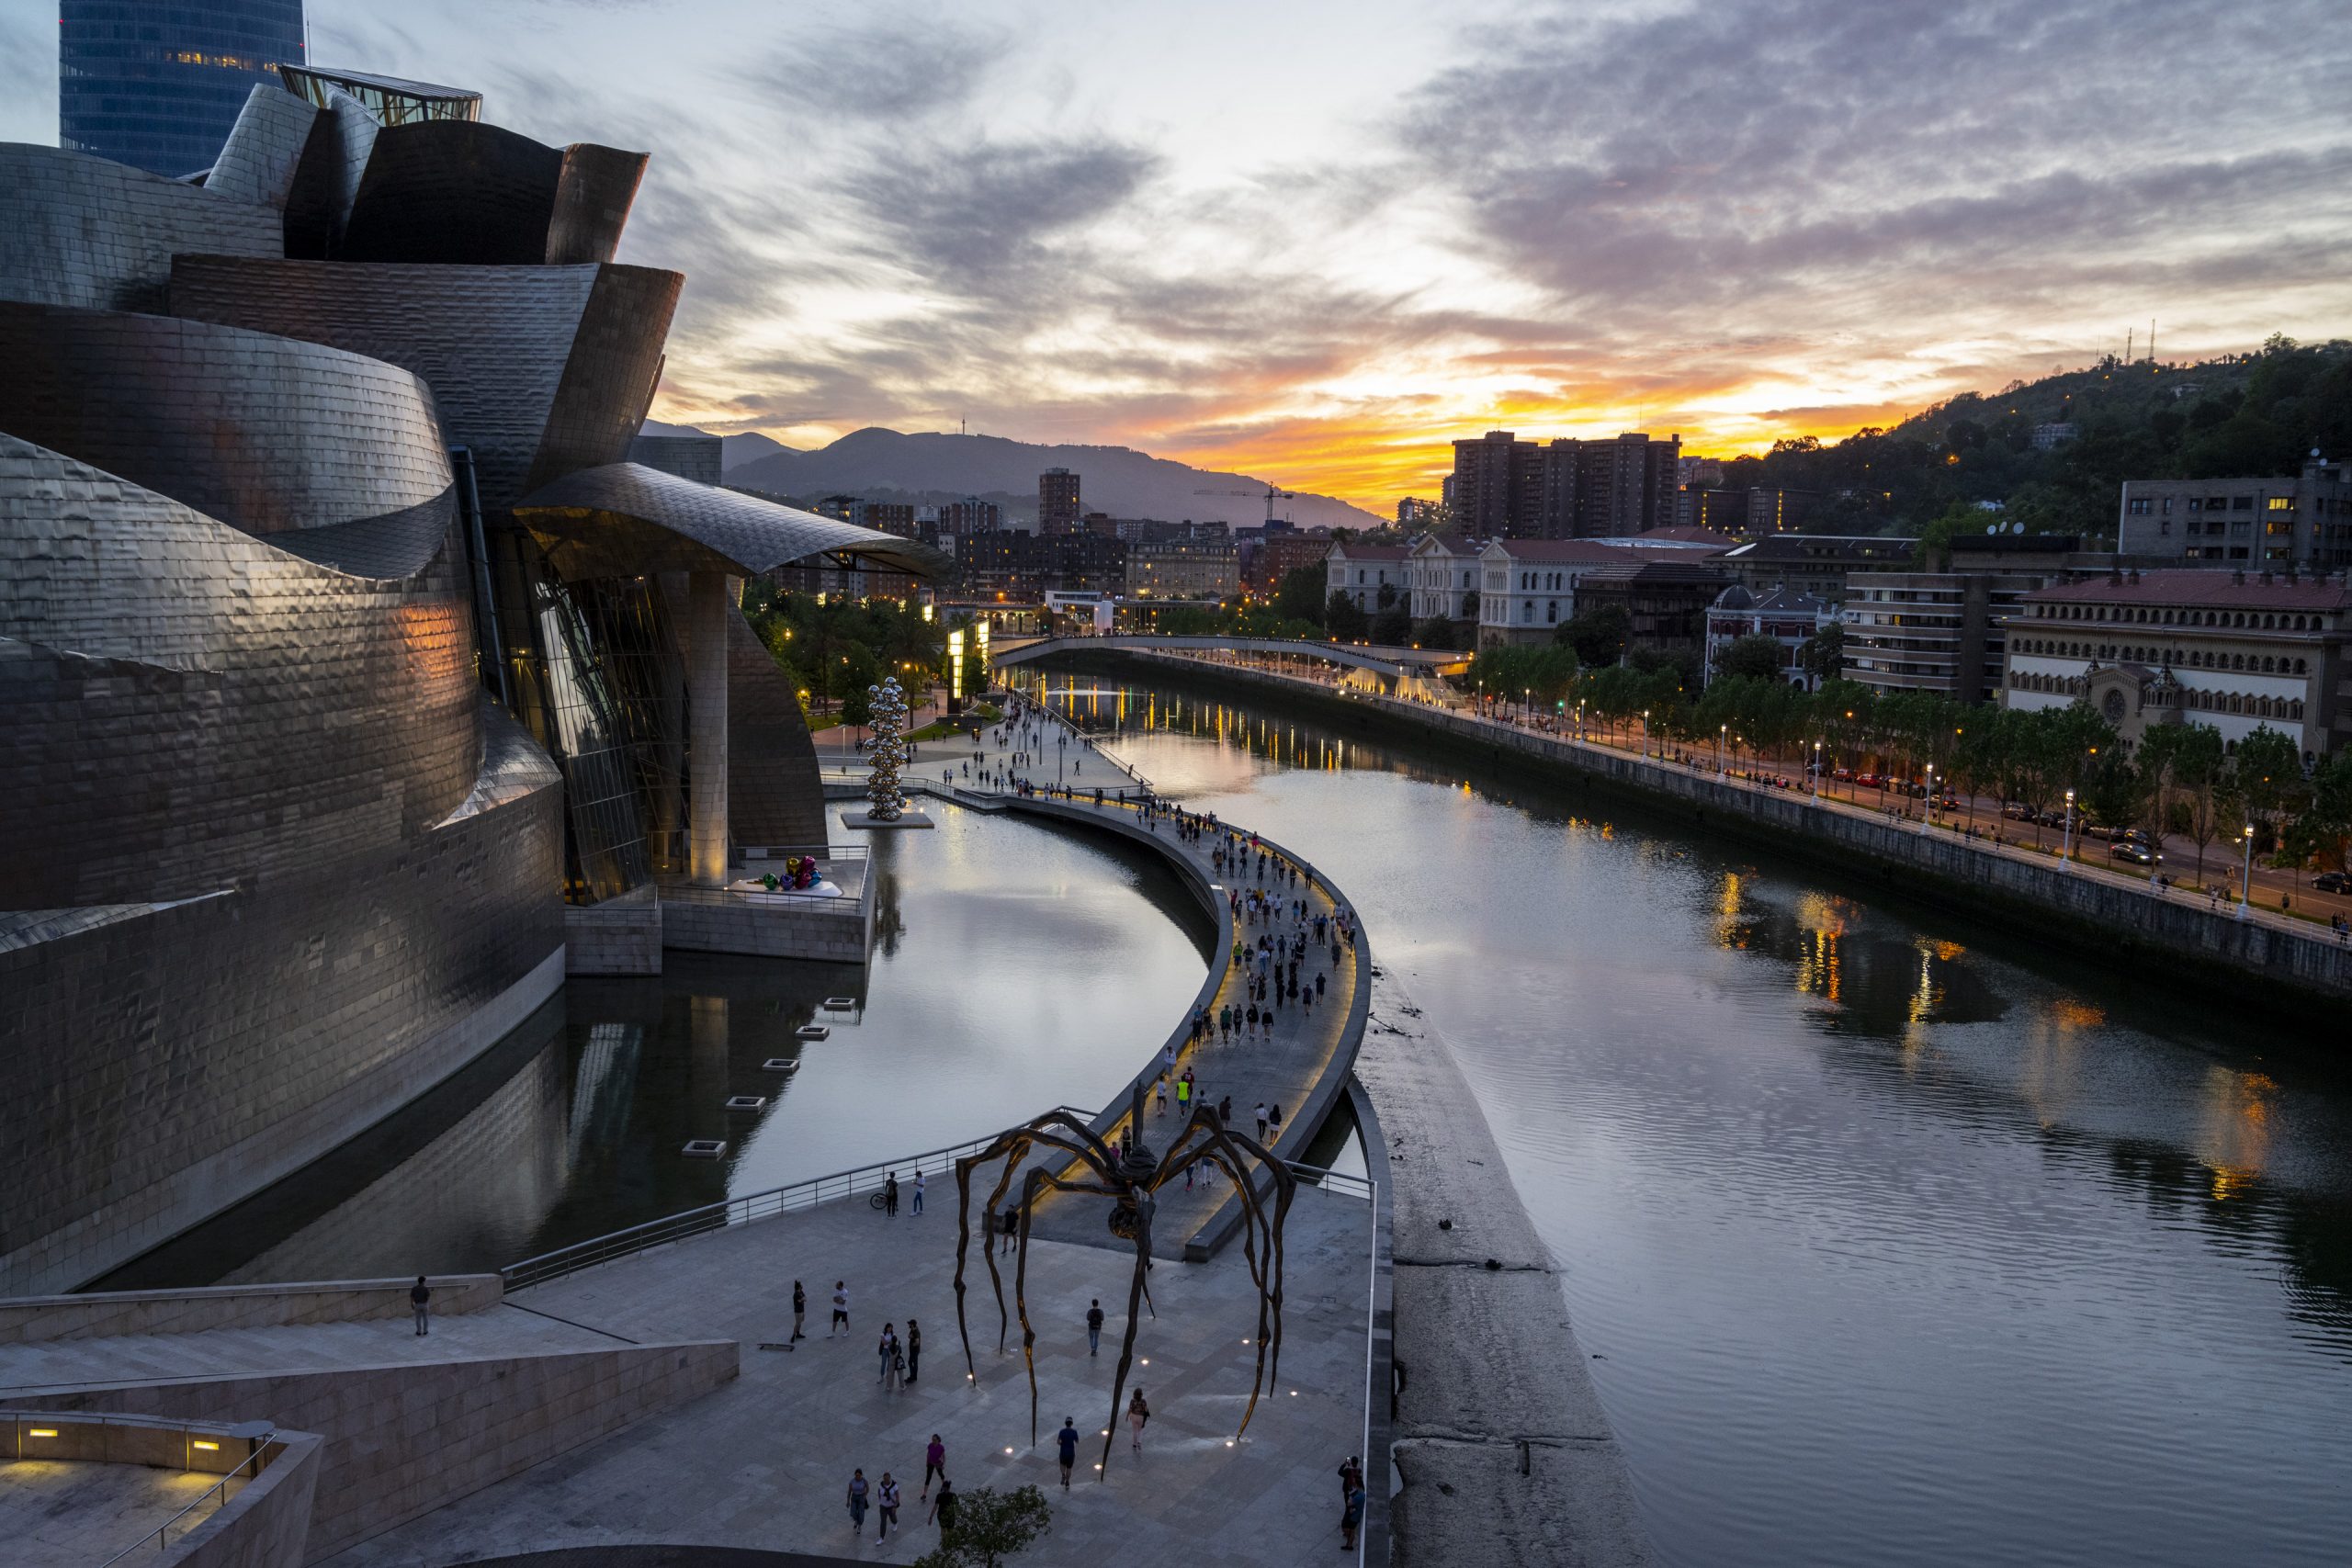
{"x":1272,"y":495}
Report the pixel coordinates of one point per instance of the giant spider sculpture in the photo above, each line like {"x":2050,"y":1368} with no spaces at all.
{"x":1131,"y":1180}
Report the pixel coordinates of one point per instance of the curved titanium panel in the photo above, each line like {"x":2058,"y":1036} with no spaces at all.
{"x":624,"y":520}
{"x":453,"y":191}
{"x":263,"y":433}
{"x":166,"y":1065}
{"x":592,"y":203}
{"x":76,"y":229}
{"x":265,"y":148}
{"x":773,"y":793}
{"x":536,"y":368}
{"x":188,"y":707}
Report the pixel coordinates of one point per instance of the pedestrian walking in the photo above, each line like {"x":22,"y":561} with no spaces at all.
{"x":857,"y":1492}
{"x":888,"y":1350}
{"x":886,"y":1498}
{"x":1068,"y":1440}
{"x":1160,"y":1095}
{"x":1225,"y":1111}
{"x":1137,"y":1414}
{"x":1184,"y":1093}
{"x":935,"y":1463}
{"x":942,"y":1509}
{"x":1012,"y":1226}
{"x":841,"y":1308}
{"x":914,"y":1350}
{"x":890,"y":1194}
{"x":894,"y":1375}
{"x":1094,"y":1327}
{"x":918,"y":1208}
{"x":420,"y":1301}
{"x":1274,"y":1122}
{"x":799,"y":1310}
{"x":1262,"y":1121}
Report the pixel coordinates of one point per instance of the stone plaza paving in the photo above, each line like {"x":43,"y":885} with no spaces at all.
{"x":54,"y":1515}
{"x":765,"y":1463}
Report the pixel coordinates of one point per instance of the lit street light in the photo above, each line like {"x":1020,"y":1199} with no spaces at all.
{"x":2245,"y":877}
{"x":2067,"y":844}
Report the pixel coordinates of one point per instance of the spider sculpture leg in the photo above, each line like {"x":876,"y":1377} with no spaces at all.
{"x":1143,"y":1205}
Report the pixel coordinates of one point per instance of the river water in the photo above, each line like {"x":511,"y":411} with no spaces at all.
{"x":1895,"y":1241}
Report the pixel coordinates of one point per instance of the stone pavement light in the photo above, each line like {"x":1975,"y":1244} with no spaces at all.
{"x":67,"y":1514}
{"x":766,"y":1461}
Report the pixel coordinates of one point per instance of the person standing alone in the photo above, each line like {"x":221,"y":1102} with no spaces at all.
{"x":1094,"y":1327}
{"x":914,"y":1350}
{"x":799,"y":1310}
{"x":420,"y":1301}
{"x":841,"y":1308}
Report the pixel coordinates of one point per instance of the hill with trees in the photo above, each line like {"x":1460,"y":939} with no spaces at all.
{"x":2243,"y":415}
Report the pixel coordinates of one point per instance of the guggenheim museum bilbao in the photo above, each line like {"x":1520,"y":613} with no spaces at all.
{"x":342,"y":645}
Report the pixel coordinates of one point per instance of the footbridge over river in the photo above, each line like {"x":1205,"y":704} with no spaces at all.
{"x":1395,"y":671}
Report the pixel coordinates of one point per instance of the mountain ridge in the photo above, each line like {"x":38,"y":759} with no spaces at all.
{"x":932,"y":466}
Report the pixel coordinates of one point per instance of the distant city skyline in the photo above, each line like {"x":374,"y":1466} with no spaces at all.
{"x":1318,"y":242}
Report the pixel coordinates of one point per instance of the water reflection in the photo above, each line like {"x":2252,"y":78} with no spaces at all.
{"x":986,"y":1002}
{"x":1905,"y":1240}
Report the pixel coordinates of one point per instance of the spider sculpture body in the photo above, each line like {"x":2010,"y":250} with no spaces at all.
{"x":1089,"y":1164}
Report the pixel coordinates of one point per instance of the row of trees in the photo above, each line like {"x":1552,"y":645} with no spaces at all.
{"x":833,"y":652}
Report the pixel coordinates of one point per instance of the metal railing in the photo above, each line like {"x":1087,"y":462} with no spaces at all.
{"x":217,"y":1494}
{"x":794,"y":1196}
{"x":765,"y":1205}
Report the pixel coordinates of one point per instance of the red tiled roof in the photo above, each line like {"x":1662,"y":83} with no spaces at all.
{"x":1371,"y":552}
{"x":1591,"y":550}
{"x":2233,"y":589}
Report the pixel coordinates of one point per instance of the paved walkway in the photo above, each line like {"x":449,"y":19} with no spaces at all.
{"x":68,"y":1515}
{"x":1307,"y":1045}
{"x":766,"y":1461}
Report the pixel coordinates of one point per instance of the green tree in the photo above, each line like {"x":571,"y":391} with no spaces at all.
{"x":2267,"y":770}
{"x":1757,"y":656}
{"x":1435,"y":632}
{"x":1598,"y":636}
{"x":1393,"y":626}
{"x":2112,"y":792}
{"x":990,"y":1525}
{"x":1343,"y":620}
{"x":2200,"y":776}
{"x":1300,"y":596}
{"x":1823,"y":656}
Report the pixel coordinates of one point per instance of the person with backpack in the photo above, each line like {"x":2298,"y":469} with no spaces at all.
{"x":887,"y":1498}
{"x":1137,"y":1414}
{"x":1094,"y":1327}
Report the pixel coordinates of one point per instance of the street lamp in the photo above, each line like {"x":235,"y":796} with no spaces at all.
{"x":1816,"y":769}
{"x":2245,"y":876}
{"x":1646,"y":732}
{"x":1721,"y":733}
{"x":2066,"y":850}
{"x":1928,"y":807}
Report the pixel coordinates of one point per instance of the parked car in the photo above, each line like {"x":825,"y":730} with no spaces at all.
{"x":1868,"y":781}
{"x":2332,"y":882}
{"x":2018,"y":811}
{"x":1843,"y":775}
{"x":2137,"y":853}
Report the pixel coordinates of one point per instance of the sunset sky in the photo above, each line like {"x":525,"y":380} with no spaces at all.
{"x":1316,"y":241}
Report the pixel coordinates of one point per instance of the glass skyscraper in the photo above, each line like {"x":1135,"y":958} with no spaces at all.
{"x":157,"y":84}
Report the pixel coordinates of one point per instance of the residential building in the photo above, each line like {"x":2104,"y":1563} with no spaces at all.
{"x":1058,"y":511}
{"x":1442,"y":577}
{"x":1665,"y":602}
{"x":2258,"y":524}
{"x":1275,"y":552}
{"x":1021,"y":568}
{"x":2233,"y":650}
{"x":1204,"y":566}
{"x":1944,"y":630}
{"x":1789,"y":618}
{"x":1498,"y":486}
{"x":1372,"y":576}
{"x":971,"y":515}
{"x":158,"y":86}
{"x":1413,"y":513}
{"x":1813,"y":564}
{"x":2055,"y":434}
{"x":1527,"y":587}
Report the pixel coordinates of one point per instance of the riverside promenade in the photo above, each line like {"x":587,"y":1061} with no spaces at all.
{"x":2103,"y":914}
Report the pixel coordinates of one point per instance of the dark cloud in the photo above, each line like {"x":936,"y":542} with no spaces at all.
{"x":890,"y":71}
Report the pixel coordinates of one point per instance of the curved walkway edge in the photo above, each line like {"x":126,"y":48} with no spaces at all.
{"x":1501,"y":1450}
